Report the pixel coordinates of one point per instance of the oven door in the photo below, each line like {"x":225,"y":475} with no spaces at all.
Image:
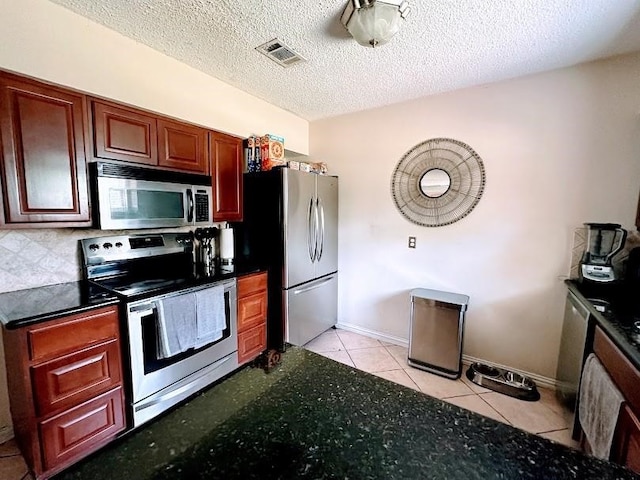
{"x":158,"y":383}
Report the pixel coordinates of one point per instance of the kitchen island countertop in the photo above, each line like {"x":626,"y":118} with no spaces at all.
{"x":311,"y":417}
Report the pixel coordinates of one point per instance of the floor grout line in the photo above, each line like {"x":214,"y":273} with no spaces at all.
{"x":496,"y":410}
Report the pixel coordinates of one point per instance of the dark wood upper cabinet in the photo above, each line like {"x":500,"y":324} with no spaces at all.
{"x":44,"y":170}
{"x":226,"y":170}
{"x":124,"y":134}
{"x":183,"y":147}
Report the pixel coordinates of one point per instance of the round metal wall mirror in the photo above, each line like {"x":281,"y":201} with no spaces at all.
{"x":435,"y":183}
{"x":438,"y":182}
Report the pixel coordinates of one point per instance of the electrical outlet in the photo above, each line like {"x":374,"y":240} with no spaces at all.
{"x":412,"y":242}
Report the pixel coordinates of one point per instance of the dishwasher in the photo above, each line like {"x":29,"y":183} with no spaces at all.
{"x":571,"y":355}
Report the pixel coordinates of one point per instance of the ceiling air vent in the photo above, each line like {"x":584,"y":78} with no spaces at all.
{"x":277,"y":51}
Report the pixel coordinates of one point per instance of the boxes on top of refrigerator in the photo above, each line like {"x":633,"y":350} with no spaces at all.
{"x":272,"y":149}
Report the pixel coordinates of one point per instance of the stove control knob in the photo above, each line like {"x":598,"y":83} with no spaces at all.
{"x":118,"y":244}
{"x":93,"y":247}
{"x":107,"y":245}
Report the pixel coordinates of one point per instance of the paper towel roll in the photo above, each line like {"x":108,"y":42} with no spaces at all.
{"x":226,"y":244}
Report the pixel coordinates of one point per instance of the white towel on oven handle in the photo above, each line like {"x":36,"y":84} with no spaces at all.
{"x":211,"y":316}
{"x":177,"y":328}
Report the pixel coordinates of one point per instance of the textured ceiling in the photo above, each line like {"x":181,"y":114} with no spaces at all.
{"x":444,"y":44}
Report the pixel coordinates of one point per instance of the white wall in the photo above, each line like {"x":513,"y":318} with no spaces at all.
{"x":559,"y":149}
{"x":46,"y":41}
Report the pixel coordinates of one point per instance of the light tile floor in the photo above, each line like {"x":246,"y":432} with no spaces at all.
{"x":546,"y":417}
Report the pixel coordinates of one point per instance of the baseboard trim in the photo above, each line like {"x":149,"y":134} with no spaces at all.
{"x":540,"y":380}
{"x":373,"y":334}
{"x":6,"y":433}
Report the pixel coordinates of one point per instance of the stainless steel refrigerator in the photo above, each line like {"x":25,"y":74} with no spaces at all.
{"x":290,"y":226}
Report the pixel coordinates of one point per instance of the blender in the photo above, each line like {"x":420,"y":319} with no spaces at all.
{"x":604,"y":240}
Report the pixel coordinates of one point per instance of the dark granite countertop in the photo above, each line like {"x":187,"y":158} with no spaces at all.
{"x":312,"y":417}
{"x":26,"y":307}
{"x":617,"y":322}
{"x":33,"y":305}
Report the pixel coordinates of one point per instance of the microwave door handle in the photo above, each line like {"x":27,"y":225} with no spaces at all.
{"x":190,"y":207}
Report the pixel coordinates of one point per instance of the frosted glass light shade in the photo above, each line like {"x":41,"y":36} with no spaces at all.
{"x":373,"y":23}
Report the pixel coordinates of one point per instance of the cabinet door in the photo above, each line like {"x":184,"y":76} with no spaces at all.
{"x":124,"y":134}
{"x":183,"y":147}
{"x":43,"y":160}
{"x":626,"y":442}
{"x":226,"y":170}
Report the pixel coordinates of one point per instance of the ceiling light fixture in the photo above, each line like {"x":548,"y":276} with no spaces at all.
{"x":373,"y":22}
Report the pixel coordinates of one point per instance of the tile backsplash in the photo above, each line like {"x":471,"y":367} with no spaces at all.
{"x":35,"y":257}
{"x":31,"y":258}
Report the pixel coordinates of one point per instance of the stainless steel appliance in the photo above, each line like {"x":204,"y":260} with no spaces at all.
{"x":147,"y":271}
{"x":571,"y":356}
{"x":130,"y":197}
{"x":604,"y":240}
{"x":437,"y":326}
{"x":291,"y":226}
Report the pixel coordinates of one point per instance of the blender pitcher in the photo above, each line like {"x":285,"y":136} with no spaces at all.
{"x":604,"y":240}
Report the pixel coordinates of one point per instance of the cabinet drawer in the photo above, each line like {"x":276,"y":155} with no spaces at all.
{"x":252,"y":310}
{"x":81,"y":430}
{"x":74,"y":378}
{"x":251,"y":343}
{"x":252,"y":284}
{"x":72,"y":333}
{"x":621,"y":370}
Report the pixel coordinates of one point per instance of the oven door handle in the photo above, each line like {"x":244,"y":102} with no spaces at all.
{"x":143,"y":310}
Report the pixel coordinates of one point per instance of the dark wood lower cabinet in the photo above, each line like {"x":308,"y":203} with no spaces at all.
{"x":65,"y":387}
{"x":72,"y":433}
{"x":625,"y":447}
{"x":252,"y":316}
{"x":626,"y":442}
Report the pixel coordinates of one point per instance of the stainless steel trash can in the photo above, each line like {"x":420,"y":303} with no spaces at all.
{"x":437,"y":324}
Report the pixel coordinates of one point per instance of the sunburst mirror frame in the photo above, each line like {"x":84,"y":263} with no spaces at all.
{"x":426,"y":196}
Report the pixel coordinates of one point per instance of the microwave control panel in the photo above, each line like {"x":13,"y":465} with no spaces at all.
{"x":202,"y":207}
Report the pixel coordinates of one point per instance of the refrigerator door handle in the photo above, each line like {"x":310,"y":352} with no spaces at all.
{"x":311,"y":234}
{"x":313,"y":286}
{"x":320,"y":207}
{"x":316,"y":216}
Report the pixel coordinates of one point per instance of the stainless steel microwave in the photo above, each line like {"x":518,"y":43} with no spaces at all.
{"x":128,"y":197}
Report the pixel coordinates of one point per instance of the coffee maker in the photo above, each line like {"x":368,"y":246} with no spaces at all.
{"x":604,"y":240}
